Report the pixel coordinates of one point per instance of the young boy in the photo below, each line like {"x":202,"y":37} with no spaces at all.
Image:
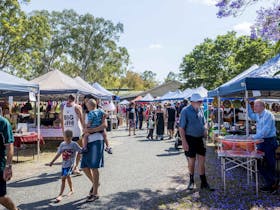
{"x":94,"y":120}
{"x":151,"y":124}
{"x":68,"y":149}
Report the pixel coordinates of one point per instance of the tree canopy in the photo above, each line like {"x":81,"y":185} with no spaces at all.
{"x":79,"y":45}
{"x":214,"y":62}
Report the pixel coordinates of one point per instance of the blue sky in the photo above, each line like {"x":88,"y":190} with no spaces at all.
{"x":157,"y":33}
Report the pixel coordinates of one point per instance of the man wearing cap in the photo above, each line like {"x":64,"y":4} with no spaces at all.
{"x":192,"y":130}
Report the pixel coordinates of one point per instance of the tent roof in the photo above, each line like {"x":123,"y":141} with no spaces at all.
{"x":261,"y":78}
{"x":147,"y":98}
{"x":124,"y":102}
{"x":137,"y":98}
{"x":56,"y":82}
{"x":12,"y":84}
{"x":91,"y":88}
{"x":176,"y":95}
{"x":102,"y":89}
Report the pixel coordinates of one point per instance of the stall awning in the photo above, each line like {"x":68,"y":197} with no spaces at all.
{"x":147,"y":98}
{"x":10,"y":85}
{"x":93,"y":90}
{"x":56,"y":82}
{"x":102,"y":89}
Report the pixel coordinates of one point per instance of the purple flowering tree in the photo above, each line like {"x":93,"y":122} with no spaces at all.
{"x":267,"y":24}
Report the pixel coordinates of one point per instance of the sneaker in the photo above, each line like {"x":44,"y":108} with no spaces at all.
{"x":109,"y":150}
{"x":266,"y":189}
{"x":190,"y":186}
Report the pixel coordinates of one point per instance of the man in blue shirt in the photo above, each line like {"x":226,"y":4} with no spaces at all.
{"x":266,"y":130}
{"x":192,"y":130}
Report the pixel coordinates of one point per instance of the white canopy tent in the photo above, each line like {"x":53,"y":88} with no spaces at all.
{"x":95,"y":91}
{"x":147,"y":98}
{"x":124,"y":102}
{"x":14,"y":86}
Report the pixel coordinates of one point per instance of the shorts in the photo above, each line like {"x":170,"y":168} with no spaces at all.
{"x":3,"y":185}
{"x":131,"y":123}
{"x":66,"y":171}
{"x":78,"y":140}
{"x":170,"y":125}
{"x":196,"y":146}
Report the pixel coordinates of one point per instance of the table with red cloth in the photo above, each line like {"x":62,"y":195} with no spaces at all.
{"x":27,"y":138}
{"x":238,"y":151}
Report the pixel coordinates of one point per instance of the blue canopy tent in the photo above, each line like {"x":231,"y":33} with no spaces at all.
{"x":170,"y":96}
{"x":256,"y":78}
{"x":256,"y":81}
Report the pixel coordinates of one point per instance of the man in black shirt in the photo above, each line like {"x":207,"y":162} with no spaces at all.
{"x":171,"y":116}
{"x":141,"y":116}
{"x":131,"y":116}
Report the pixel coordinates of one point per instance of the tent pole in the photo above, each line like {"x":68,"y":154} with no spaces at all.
{"x":247,"y":114}
{"x":234,"y":116}
{"x":38,"y":124}
{"x":207,"y":117}
{"x":219,"y":115}
{"x":77,"y":97}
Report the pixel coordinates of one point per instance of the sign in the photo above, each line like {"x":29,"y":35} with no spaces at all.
{"x":32,"y":96}
{"x":256,"y":93}
{"x":11,"y":100}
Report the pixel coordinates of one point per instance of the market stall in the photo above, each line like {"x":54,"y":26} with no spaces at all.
{"x":12,"y":86}
{"x":256,"y":82}
{"x":55,"y":87}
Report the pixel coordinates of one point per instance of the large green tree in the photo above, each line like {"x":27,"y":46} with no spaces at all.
{"x":21,"y":37}
{"x":86,"y":46}
{"x":171,"y":76}
{"x":214,"y":62}
{"x":149,"y":78}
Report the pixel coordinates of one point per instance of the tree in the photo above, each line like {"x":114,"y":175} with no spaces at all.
{"x":20,"y":38}
{"x":86,"y":46}
{"x":214,"y":62}
{"x":267,"y":24}
{"x":134,"y":81}
{"x":171,"y":76}
{"x":149,"y":78}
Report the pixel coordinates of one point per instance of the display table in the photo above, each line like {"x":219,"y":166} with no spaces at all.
{"x":27,"y":138}
{"x":237,"y":151}
{"x":49,"y":133}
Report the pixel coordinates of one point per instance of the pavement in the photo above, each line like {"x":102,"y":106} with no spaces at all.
{"x":138,"y":175}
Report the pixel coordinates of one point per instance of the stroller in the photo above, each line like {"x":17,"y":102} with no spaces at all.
{"x":178,"y":141}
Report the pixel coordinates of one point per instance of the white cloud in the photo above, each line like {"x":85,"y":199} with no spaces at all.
{"x":205,"y":2}
{"x":243,"y":28}
{"x":155,"y":46}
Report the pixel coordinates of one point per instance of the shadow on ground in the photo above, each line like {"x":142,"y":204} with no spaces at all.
{"x":171,"y":151}
{"x":42,"y":179}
